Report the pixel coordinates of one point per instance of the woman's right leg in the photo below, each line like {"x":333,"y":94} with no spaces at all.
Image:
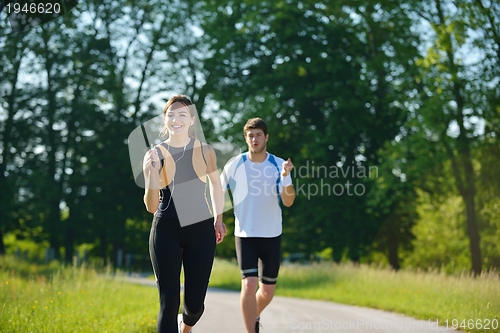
{"x":166,"y":257}
{"x":198,"y":257}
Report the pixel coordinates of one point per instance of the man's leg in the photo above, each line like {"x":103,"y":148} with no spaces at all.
{"x":264,"y":296}
{"x":248,"y":302}
{"x":269,"y":253}
{"x":248,"y":257}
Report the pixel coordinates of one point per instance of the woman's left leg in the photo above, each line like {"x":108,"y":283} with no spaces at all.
{"x":198,"y":256}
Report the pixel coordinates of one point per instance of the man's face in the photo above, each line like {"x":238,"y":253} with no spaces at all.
{"x":256,"y":140}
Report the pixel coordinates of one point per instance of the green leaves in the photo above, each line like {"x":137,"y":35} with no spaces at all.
{"x":320,"y":74}
{"x":409,"y":87}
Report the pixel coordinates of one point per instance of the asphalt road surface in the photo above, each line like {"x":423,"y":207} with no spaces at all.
{"x":292,"y":315}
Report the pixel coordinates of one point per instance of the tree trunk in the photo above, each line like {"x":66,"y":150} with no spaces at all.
{"x":392,"y":245}
{"x":68,"y":244}
{"x":6,"y":196}
{"x":462,"y":164}
{"x":468,"y":195}
{"x":2,"y":244}
{"x":104,"y":248}
{"x":53,"y":193}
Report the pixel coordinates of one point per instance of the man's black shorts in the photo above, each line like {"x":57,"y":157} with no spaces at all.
{"x":259,"y":256}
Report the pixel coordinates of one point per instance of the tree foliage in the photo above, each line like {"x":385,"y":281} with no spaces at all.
{"x":389,"y":111}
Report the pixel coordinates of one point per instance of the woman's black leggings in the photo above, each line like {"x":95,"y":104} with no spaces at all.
{"x":171,"y":246}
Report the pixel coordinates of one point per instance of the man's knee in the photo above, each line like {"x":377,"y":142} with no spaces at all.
{"x":249,"y":284}
{"x":267,"y":290}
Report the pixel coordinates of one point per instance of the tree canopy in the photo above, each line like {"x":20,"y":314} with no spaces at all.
{"x":389,"y":111}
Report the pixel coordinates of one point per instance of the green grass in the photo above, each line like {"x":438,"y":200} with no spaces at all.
{"x":423,"y":295}
{"x":52,"y":298}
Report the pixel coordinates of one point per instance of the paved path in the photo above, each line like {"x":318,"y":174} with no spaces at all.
{"x":292,"y":315}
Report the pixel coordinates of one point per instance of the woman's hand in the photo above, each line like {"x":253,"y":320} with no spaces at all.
{"x":151,"y":169}
{"x":151,"y":161}
{"x":220,"y":231}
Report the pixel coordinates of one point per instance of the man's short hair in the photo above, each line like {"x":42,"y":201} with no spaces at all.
{"x":255,"y":123}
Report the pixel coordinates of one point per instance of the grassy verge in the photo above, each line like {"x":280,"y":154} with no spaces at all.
{"x":421,"y":295}
{"x":52,"y":298}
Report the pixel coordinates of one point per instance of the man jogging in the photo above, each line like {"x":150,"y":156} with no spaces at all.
{"x":259,"y":183}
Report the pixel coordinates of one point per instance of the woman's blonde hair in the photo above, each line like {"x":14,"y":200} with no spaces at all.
{"x":183,"y":99}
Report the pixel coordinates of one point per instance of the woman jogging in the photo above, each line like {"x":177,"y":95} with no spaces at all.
{"x":184,"y":230}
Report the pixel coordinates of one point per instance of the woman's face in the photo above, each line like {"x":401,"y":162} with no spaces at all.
{"x":178,"y":119}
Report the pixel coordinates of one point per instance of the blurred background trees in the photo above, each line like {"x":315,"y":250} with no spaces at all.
{"x":389,"y":110}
